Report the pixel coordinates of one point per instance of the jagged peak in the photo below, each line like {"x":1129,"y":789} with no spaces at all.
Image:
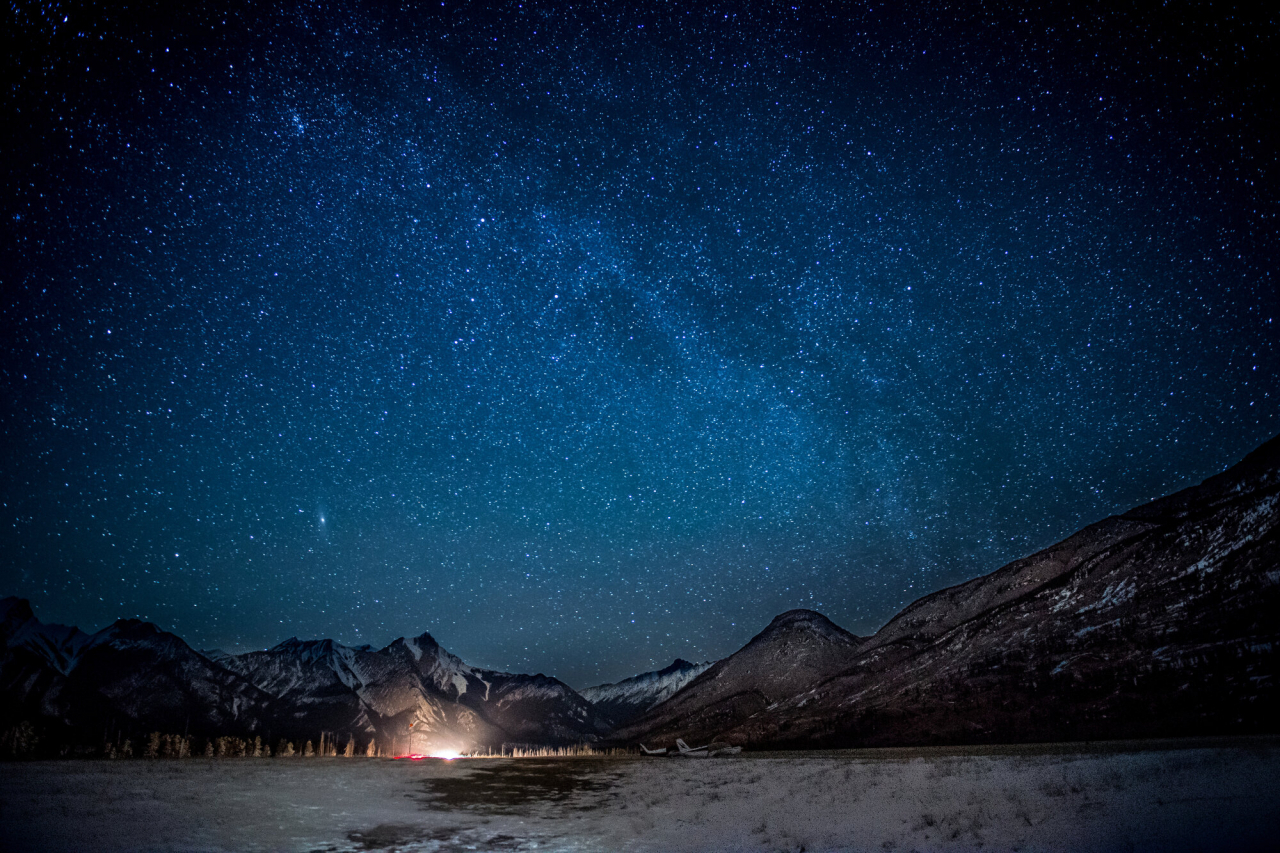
{"x":429,"y":655}
{"x":311,"y":650}
{"x":425,"y":641}
{"x":131,"y":627}
{"x":646,"y":680}
{"x":416,"y":646}
{"x":13,"y":606}
{"x":136,"y":632}
{"x":679,"y":665}
{"x":295,"y":643}
{"x":14,"y":613}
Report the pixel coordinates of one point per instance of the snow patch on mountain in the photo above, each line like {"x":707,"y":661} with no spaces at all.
{"x":59,"y":645}
{"x":443,"y":669}
{"x":632,"y":696}
{"x":526,"y":692}
{"x":1255,"y":523}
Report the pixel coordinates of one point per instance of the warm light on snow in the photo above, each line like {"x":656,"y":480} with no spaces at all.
{"x":446,"y":754}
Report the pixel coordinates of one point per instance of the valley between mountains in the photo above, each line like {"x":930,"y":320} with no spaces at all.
{"x":1160,"y":621}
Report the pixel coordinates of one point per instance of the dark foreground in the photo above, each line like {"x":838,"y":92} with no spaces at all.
{"x":1126,"y":797}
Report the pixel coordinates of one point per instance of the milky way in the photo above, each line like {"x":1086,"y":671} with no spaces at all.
{"x":585,"y":338}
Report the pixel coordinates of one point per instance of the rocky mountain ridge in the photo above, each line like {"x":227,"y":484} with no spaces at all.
{"x":412,"y":696}
{"x":1160,"y":621}
{"x":624,"y":700}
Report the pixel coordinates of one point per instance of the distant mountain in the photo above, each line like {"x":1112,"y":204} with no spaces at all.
{"x":625,"y":700}
{"x":128,"y":676}
{"x":1162,"y":621}
{"x":414,"y":696}
{"x":410,"y":696}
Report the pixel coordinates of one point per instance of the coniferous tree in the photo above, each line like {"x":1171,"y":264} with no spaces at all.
{"x":372,"y":750}
{"x":351,"y":747}
{"x":308,"y":751}
{"x":19,"y":741}
{"x":208,"y":749}
{"x":153,"y":745}
{"x":126,"y":751}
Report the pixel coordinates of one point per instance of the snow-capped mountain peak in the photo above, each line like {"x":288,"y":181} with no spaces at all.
{"x":59,"y":645}
{"x":627,"y":699}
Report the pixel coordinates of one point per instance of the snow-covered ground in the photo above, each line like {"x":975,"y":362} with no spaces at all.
{"x":1189,"y":798}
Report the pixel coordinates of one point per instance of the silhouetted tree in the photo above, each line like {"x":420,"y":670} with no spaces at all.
{"x":19,"y":741}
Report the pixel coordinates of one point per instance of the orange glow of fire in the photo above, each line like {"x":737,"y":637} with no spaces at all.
{"x":446,"y":754}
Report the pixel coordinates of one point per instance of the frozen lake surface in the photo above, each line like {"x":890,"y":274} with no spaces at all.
{"x":1104,"y":798}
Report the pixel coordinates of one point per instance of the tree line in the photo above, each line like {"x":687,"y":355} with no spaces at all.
{"x":24,"y":741}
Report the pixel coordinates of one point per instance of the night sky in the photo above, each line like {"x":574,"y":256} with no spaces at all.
{"x":588,"y":337}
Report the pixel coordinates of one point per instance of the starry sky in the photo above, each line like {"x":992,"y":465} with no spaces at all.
{"x":588,"y":336}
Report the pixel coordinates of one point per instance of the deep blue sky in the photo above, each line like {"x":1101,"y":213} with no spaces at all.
{"x":588,"y":337}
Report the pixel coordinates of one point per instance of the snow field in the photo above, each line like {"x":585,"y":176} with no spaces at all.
{"x":1205,"y":798}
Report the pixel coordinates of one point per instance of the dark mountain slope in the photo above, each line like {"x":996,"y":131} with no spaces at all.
{"x":796,"y":650}
{"x":130,"y":676}
{"x":1161,"y":621}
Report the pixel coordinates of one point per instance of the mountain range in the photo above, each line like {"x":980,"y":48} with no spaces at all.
{"x":412,"y":696}
{"x":1160,"y":621}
